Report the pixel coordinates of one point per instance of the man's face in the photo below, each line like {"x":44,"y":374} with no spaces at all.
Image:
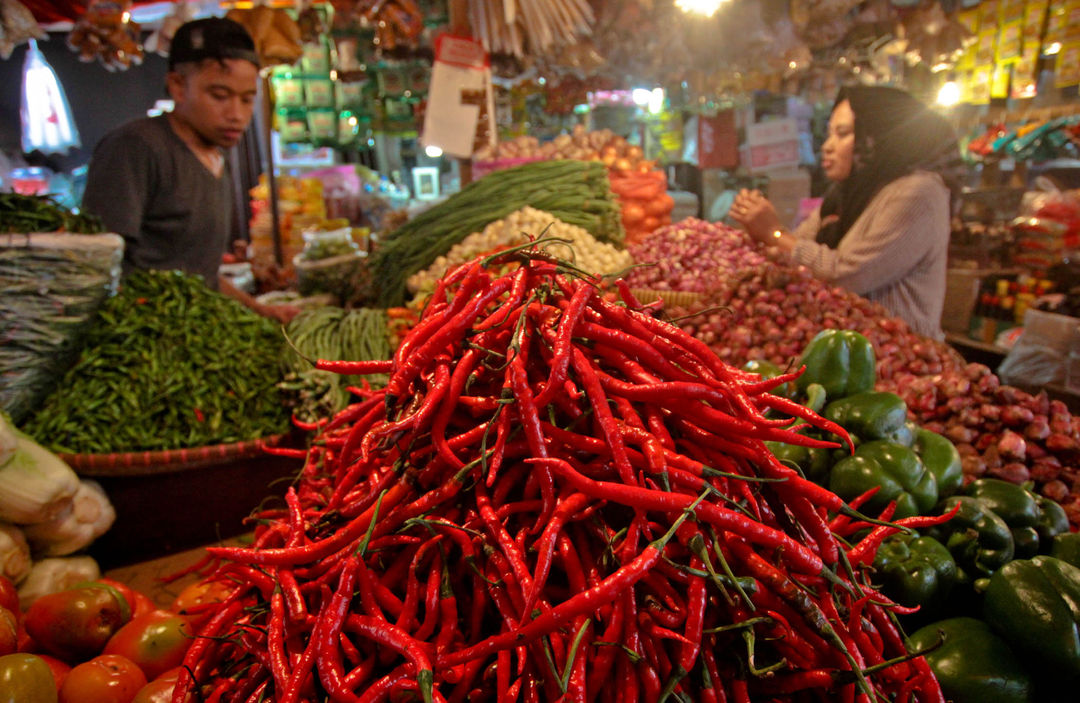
{"x":215,"y":98}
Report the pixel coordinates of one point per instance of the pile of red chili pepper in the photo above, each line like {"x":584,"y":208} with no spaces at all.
{"x":558,"y":496}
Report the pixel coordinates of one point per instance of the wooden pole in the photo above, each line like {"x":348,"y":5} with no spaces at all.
{"x":271,"y":178}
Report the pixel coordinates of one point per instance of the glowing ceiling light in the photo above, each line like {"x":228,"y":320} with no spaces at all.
{"x":656,"y":101}
{"x":949,"y":94}
{"x":705,"y":8}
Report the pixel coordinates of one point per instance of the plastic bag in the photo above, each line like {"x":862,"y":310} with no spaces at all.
{"x":47,"y":123}
{"x":1038,"y":358}
{"x":53,"y":284}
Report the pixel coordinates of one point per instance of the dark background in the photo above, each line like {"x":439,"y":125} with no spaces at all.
{"x":100,"y":100}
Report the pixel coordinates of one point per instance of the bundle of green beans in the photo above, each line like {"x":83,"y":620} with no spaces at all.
{"x":41,"y":213}
{"x":330,"y":333}
{"x":576,"y":192}
{"x":167,"y":364}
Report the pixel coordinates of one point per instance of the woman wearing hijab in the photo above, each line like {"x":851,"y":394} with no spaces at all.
{"x":883,"y":227}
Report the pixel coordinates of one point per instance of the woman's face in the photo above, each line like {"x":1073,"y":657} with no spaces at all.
{"x":838,"y":152}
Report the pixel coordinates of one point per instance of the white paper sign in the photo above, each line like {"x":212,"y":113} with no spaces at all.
{"x":460,"y":78}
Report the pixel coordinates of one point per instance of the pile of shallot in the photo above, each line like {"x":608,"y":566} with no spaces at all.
{"x":771,"y":312}
{"x":1001,"y":431}
{"x":691,"y":255}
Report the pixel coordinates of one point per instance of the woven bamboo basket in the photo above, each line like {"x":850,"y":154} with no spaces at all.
{"x":677,"y":298}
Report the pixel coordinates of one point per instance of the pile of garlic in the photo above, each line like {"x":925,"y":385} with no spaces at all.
{"x":47,"y":514}
{"x":517,"y":228}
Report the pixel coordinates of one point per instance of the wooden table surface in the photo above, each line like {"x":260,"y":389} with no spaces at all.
{"x":148,"y":576}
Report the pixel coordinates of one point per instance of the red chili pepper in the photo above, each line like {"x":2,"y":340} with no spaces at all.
{"x":797,"y":554}
{"x":561,"y":355}
{"x":548,"y":540}
{"x":863,"y":552}
{"x":579,"y":604}
{"x":328,"y":655}
{"x":388,"y":635}
{"x":355,"y":368}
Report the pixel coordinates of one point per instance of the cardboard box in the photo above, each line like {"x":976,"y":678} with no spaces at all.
{"x":787,"y":189}
{"x":772,"y":145}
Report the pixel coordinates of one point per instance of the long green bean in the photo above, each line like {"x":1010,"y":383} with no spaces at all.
{"x":571,"y":190}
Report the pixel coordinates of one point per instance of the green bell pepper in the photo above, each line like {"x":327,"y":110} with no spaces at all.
{"x":870,"y":415}
{"x":940,"y":457}
{"x":905,"y":435}
{"x":1034,"y":604}
{"x":813,"y":463}
{"x":1053,"y":521}
{"x":896,"y":469}
{"x":815,"y":397}
{"x":973,"y":664}
{"x":979,"y":540}
{"x":840,"y":360}
{"x":1066,"y":547}
{"x":767,"y":369}
{"x":1016,"y":506}
{"x":915,"y":571}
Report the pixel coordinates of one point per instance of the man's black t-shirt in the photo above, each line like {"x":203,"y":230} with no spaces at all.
{"x":148,"y":186}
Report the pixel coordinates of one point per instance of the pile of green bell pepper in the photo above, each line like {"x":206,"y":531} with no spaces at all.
{"x":841,"y":361}
{"x":897,"y":471}
{"x":1033,"y":520}
{"x":914,"y":466}
{"x":972,"y":664}
{"x":915,"y":571}
{"x":1034,"y":605}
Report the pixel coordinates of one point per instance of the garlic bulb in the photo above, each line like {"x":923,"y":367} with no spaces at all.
{"x":90,"y":516}
{"x":14,"y":553}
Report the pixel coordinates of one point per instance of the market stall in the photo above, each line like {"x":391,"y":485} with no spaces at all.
{"x":537,"y":433}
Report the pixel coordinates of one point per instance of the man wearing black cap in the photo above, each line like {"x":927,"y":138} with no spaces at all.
{"x":162,"y":182}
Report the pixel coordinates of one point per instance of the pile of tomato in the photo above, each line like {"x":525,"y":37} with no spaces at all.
{"x":97,"y":642}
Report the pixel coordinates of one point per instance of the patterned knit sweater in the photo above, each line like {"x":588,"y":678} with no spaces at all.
{"x":894,"y":254}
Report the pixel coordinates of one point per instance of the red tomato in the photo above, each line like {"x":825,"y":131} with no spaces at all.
{"x":60,"y":670}
{"x":9,"y":632}
{"x":9,"y":595}
{"x":159,"y":690}
{"x":138,"y":601}
{"x":25,"y":678}
{"x":195,"y":601}
{"x":108,"y":678}
{"x":75,"y":624}
{"x":156,"y":641}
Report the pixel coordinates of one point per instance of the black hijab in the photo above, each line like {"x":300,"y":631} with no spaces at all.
{"x":895,"y":134}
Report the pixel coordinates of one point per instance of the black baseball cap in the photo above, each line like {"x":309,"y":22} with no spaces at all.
{"x":211,"y":38}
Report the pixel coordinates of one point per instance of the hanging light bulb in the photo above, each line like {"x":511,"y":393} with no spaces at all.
{"x":706,"y":8}
{"x":949,"y":94}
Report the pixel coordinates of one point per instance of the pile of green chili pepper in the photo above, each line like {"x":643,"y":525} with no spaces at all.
{"x":41,"y":213}
{"x":167,"y":364}
{"x":556,"y":497}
